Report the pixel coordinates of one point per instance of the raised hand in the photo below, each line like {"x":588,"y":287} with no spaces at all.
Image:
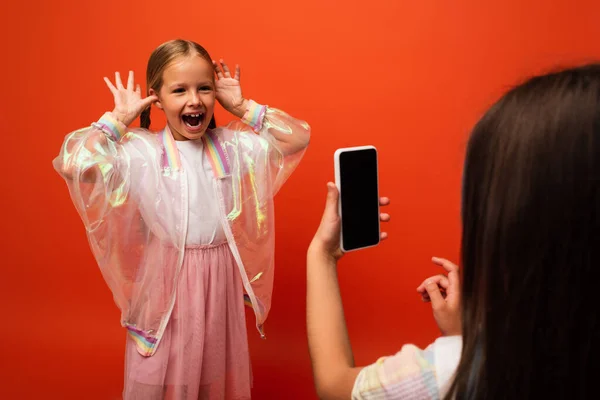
{"x":229,"y":90}
{"x":129,"y":103}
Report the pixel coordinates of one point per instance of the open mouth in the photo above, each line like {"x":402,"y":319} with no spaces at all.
{"x":193,"y":120}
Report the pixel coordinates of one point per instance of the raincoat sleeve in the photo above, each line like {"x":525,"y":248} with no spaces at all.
{"x":274,"y":139}
{"x":99,"y":164}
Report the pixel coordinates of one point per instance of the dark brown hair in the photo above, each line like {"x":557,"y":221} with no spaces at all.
{"x":531,"y":231}
{"x":160,"y":59}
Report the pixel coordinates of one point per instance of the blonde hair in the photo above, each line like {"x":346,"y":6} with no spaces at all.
{"x":160,"y":59}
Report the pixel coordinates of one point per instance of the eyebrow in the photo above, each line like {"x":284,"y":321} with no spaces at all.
{"x":176,"y":84}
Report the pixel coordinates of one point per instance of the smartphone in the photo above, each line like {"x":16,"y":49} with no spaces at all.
{"x":357,"y":180}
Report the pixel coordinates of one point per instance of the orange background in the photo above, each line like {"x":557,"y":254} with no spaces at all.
{"x":410,"y":77}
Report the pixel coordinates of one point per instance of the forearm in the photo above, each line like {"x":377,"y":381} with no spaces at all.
{"x":288,"y":134}
{"x":328,"y":340}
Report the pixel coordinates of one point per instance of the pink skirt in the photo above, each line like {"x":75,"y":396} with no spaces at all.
{"x":204,"y":351}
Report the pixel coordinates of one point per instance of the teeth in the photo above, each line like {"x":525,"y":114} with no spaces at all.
{"x":194,"y":115}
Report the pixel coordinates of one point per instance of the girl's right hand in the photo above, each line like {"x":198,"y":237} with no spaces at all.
{"x":327,"y":239}
{"x":128,"y":102}
{"x":444,"y":294}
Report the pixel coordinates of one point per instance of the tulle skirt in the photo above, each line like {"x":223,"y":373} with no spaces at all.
{"x":204,"y":351}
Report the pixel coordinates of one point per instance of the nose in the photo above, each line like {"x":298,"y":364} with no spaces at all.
{"x":194,"y":99}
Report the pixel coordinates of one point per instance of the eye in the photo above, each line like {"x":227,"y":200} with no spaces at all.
{"x":179,"y":90}
{"x":206,"y":88}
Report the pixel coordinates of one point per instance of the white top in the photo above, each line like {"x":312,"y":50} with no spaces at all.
{"x":447,"y":355}
{"x":204,"y":226}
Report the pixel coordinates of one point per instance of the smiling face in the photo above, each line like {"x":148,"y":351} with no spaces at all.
{"x":187,"y":96}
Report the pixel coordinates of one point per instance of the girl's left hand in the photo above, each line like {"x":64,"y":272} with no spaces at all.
{"x":444,"y":294}
{"x":229,"y":90}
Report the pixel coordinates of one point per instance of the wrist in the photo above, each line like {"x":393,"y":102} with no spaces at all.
{"x":240,"y":110}
{"x":120,"y":117}
{"x":323,"y":252}
{"x":450,"y":333}
{"x":453,"y":328}
{"x":254,"y":115}
{"x":111,"y":126}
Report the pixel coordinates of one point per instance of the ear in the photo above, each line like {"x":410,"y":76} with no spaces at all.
{"x":153,"y":92}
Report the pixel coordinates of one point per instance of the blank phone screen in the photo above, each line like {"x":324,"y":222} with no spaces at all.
{"x":359,"y":197}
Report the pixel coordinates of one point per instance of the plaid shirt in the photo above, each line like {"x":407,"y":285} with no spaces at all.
{"x":412,"y":373}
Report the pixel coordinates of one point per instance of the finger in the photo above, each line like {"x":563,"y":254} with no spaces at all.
{"x":148,"y":101}
{"x":130,"y":81}
{"x":454,"y":286}
{"x":437,"y":300}
{"x":237,"y":72}
{"x":384,"y":217}
{"x":440,"y":280}
{"x":138,"y":89}
{"x":442,"y":291}
{"x":451,"y":268}
{"x":118,"y":81}
{"x":112,"y":87}
{"x":453,"y":277}
{"x":217,"y":69}
{"x":225,"y":69}
{"x":383,"y":236}
{"x":331,"y":207}
{"x":384,"y":201}
{"x":426,"y":298}
{"x":448,"y":265}
{"x":421,"y":289}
